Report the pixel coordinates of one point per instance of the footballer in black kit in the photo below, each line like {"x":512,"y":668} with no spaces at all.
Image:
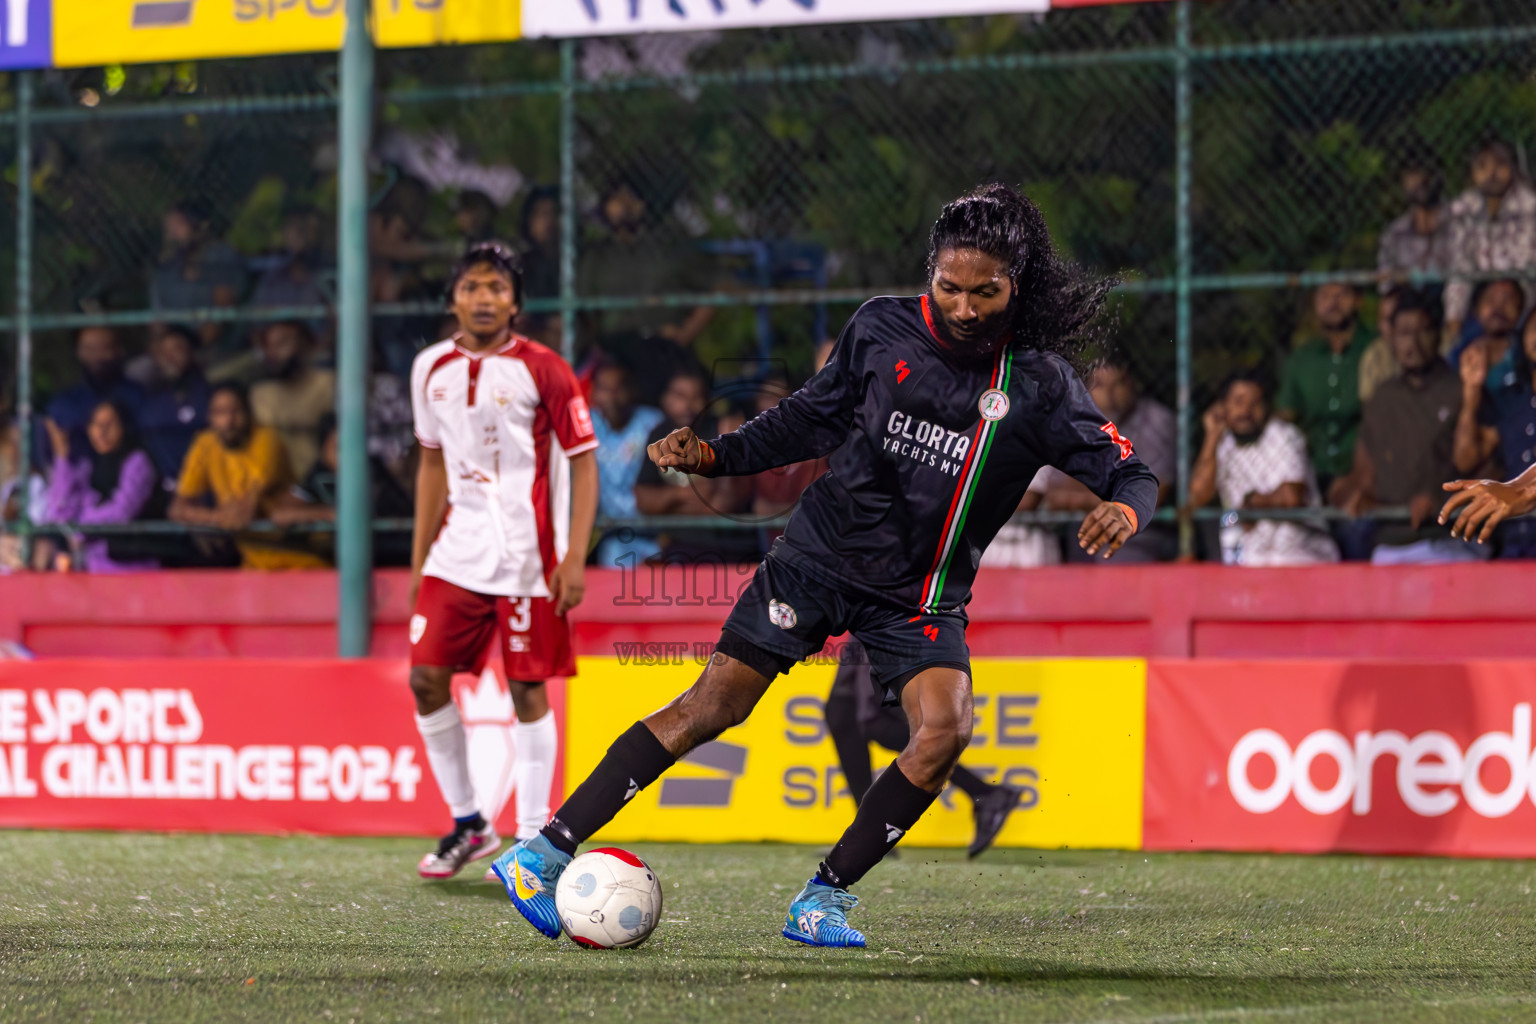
{"x":937,"y":411}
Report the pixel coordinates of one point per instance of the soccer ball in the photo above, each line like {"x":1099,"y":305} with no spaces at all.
{"x":608,"y":899}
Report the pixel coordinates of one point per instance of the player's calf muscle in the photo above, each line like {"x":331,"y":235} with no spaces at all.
{"x":940,"y":709}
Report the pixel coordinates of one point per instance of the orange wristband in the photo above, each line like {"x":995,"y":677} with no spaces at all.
{"x":1130,"y":514}
{"x":706,"y":458}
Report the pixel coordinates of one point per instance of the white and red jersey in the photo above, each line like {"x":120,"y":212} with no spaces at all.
{"x":507,"y":421}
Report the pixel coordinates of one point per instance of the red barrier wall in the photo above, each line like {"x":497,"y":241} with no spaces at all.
{"x":1178,"y":611}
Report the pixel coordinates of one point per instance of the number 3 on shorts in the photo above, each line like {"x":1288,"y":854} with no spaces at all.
{"x":521,"y":617}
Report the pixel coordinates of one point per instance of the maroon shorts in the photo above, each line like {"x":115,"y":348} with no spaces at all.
{"x":452,"y":628}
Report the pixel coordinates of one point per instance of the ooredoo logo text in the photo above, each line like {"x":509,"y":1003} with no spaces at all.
{"x":1434,"y":774}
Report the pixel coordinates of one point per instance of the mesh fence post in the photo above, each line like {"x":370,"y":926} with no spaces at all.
{"x":568,"y":199}
{"x":353,"y":539}
{"x":1184,"y":269}
{"x":24,"y":305}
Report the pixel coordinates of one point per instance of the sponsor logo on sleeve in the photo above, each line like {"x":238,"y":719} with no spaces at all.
{"x":581,"y":419}
{"x":1114,"y":435}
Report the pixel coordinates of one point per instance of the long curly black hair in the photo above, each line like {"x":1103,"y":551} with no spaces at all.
{"x":1056,"y":301}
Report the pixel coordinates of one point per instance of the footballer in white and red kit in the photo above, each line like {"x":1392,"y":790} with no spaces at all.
{"x":505,"y":499}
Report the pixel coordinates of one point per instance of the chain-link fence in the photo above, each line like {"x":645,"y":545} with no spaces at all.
{"x":729,"y":198}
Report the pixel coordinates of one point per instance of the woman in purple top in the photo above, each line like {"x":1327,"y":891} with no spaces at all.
{"x":113,"y":481}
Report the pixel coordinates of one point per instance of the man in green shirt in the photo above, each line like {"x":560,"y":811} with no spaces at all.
{"x":1320,"y":387}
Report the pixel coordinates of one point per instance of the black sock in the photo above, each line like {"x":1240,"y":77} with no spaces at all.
{"x":970,"y":783}
{"x":890,"y":808}
{"x":635,"y":760}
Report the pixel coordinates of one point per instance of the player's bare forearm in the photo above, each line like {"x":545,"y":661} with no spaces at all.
{"x":431,"y":506}
{"x":583,"y":503}
{"x":1525,"y":483}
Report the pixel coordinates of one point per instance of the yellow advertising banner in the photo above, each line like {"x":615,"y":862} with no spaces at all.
{"x":1071,"y":733}
{"x":435,"y":22}
{"x":87,"y":32}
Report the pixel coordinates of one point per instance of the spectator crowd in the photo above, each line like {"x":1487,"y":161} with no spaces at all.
{"x":1364,"y":424}
{"x":224,"y":424}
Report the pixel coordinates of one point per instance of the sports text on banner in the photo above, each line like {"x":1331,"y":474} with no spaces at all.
{"x":1068,"y":732}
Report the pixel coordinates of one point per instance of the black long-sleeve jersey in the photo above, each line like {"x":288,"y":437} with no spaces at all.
{"x":930,"y":455}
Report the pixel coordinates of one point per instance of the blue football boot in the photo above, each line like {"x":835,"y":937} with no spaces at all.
{"x":529,"y":872}
{"x":819,"y":916}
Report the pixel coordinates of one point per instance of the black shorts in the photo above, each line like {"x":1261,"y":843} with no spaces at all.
{"x":785,"y":616}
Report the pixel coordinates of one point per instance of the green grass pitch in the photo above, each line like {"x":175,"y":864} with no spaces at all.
{"x":160,"y":928}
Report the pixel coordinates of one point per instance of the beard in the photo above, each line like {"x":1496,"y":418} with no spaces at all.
{"x":984,"y":337}
{"x":1340,"y":323}
{"x":1248,"y":438}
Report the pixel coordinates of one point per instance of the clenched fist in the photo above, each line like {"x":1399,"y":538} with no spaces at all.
{"x":682,"y":450}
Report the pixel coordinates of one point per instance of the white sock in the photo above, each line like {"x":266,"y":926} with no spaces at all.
{"x":533,"y":774}
{"x":448,"y":753}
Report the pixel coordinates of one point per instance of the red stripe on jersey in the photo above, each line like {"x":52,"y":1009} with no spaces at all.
{"x":623,"y":855}
{"x":543,"y":517}
{"x":442,"y":361}
{"x":928,"y":319}
{"x":938,"y":555}
{"x":474,"y":379}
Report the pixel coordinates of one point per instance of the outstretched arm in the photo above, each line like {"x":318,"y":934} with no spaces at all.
{"x":1477,"y":506}
{"x":805,"y":425}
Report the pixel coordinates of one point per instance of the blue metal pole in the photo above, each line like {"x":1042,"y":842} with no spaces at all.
{"x":568,"y":199}
{"x":24,"y":302}
{"x":1185,"y":269}
{"x":354,"y":624}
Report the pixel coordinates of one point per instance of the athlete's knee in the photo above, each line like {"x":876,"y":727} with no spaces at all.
{"x":713,"y":708}
{"x":431,"y":686}
{"x":718,"y":711}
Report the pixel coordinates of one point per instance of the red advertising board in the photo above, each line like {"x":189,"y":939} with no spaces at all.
{"x":1311,"y":756}
{"x":237,"y":746}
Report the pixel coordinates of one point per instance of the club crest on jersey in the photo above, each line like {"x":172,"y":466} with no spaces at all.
{"x":781,"y":614}
{"x":502,"y":396}
{"x":993,"y":404}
